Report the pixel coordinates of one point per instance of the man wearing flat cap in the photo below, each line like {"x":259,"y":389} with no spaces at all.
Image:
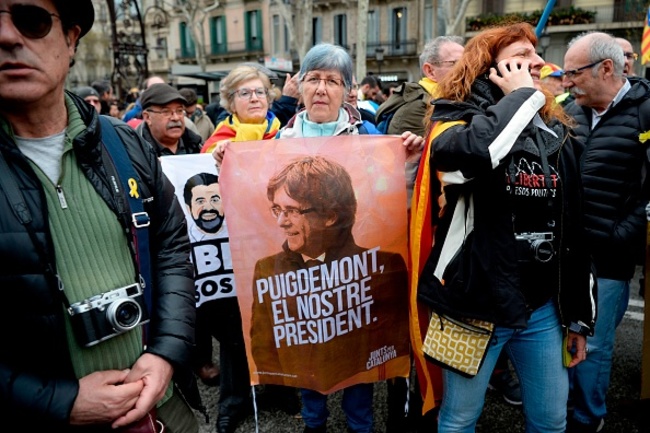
{"x":163,"y":114}
{"x":75,"y":356}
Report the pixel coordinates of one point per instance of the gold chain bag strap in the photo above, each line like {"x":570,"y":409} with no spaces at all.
{"x":458,"y":345}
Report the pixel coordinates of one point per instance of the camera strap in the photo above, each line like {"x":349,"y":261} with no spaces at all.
{"x":137,"y":226}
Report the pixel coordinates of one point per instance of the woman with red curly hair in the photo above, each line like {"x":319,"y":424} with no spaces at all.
{"x":508,"y":245}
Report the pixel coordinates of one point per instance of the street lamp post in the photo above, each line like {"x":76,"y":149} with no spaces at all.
{"x":379,"y":56}
{"x":129,"y":45}
{"x":544,"y":43}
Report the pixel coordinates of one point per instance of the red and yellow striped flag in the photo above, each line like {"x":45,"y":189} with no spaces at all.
{"x":645,"y":40}
{"x":420,"y":245}
{"x":421,"y":233}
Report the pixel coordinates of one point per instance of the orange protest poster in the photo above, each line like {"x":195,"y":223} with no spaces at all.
{"x":318,"y":235}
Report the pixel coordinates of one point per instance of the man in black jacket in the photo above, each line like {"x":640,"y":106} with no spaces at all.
{"x":69,"y":242}
{"x":612,"y":116}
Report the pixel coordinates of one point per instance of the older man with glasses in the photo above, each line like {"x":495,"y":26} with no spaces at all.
{"x":613,"y":115}
{"x":163,"y":115}
{"x":406,"y":109}
{"x":74,"y":356}
{"x":630,"y":56}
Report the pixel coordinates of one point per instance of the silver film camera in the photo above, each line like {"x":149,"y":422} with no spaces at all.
{"x":108,"y":314}
{"x":536,"y":246}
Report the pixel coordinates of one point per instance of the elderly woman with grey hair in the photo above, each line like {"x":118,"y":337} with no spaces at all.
{"x":325,"y":79}
{"x":246,"y":93}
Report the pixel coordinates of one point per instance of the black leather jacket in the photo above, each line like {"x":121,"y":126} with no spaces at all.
{"x":37,"y":383}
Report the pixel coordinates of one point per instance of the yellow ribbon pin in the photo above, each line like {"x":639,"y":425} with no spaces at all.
{"x":134,"y":188}
{"x":644,"y":136}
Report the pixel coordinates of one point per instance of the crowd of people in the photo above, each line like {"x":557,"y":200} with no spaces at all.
{"x":538,"y":183}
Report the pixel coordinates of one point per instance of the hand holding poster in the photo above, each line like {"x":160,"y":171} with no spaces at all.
{"x":318,"y":240}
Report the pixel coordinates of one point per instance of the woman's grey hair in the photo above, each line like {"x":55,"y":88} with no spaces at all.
{"x":235,"y":78}
{"x":327,"y":57}
{"x":603,"y":46}
{"x":431,"y":51}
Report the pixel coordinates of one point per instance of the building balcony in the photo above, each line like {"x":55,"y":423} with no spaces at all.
{"x":236,"y":51}
{"x":598,"y":17}
{"x":391,"y":49}
{"x":330,"y":4}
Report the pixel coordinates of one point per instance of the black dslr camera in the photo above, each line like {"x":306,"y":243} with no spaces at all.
{"x":535,"y":246}
{"x":106,"y":315}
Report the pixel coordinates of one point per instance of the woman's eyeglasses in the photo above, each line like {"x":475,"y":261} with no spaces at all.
{"x":330,"y":82}
{"x":33,"y":22}
{"x":260,"y":92}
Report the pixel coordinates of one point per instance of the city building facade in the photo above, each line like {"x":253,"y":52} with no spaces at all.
{"x":196,"y":42}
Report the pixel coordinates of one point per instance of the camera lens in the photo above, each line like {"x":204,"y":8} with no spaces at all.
{"x":542,"y":250}
{"x":124,"y":314}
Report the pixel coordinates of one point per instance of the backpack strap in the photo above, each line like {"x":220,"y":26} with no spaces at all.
{"x":138,"y":224}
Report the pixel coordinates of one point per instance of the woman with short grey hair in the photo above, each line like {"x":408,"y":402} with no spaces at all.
{"x":328,"y":57}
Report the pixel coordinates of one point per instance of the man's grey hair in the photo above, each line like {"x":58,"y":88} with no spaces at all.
{"x":327,"y":56}
{"x":431,"y":51}
{"x":602,"y":46}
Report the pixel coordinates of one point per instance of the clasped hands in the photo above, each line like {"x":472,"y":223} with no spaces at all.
{"x":121,"y":397}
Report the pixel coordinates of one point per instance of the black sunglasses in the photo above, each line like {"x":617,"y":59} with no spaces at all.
{"x":33,"y":22}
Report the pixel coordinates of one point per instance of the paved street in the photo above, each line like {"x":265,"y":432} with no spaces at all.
{"x":626,"y":413}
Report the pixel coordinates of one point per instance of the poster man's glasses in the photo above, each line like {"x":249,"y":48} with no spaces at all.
{"x":291,"y":213}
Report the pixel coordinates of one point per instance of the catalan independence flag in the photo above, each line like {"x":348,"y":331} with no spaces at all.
{"x":421,"y":234}
{"x":645,"y":40}
{"x":420,"y":244}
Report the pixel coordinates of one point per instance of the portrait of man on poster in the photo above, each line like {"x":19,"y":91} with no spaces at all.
{"x":202,"y":195}
{"x":320,"y":304}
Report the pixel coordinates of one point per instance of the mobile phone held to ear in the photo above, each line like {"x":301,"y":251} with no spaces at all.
{"x":495,"y":66}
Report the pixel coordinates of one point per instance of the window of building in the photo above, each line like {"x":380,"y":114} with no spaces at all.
{"x":277,"y":33}
{"x":161,"y":48}
{"x":441,"y":25}
{"x":317,"y":30}
{"x":218,"y":35}
{"x":624,"y":10}
{"x":253,"y":21}
{"x":399,"y":30}
{"x":187,"y":43}
{"x":493,"y":7}
{"x":341,"y":30}
{"x":429,"y":27}
{"x":286,"y":37}
{"x":373,"y":29}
